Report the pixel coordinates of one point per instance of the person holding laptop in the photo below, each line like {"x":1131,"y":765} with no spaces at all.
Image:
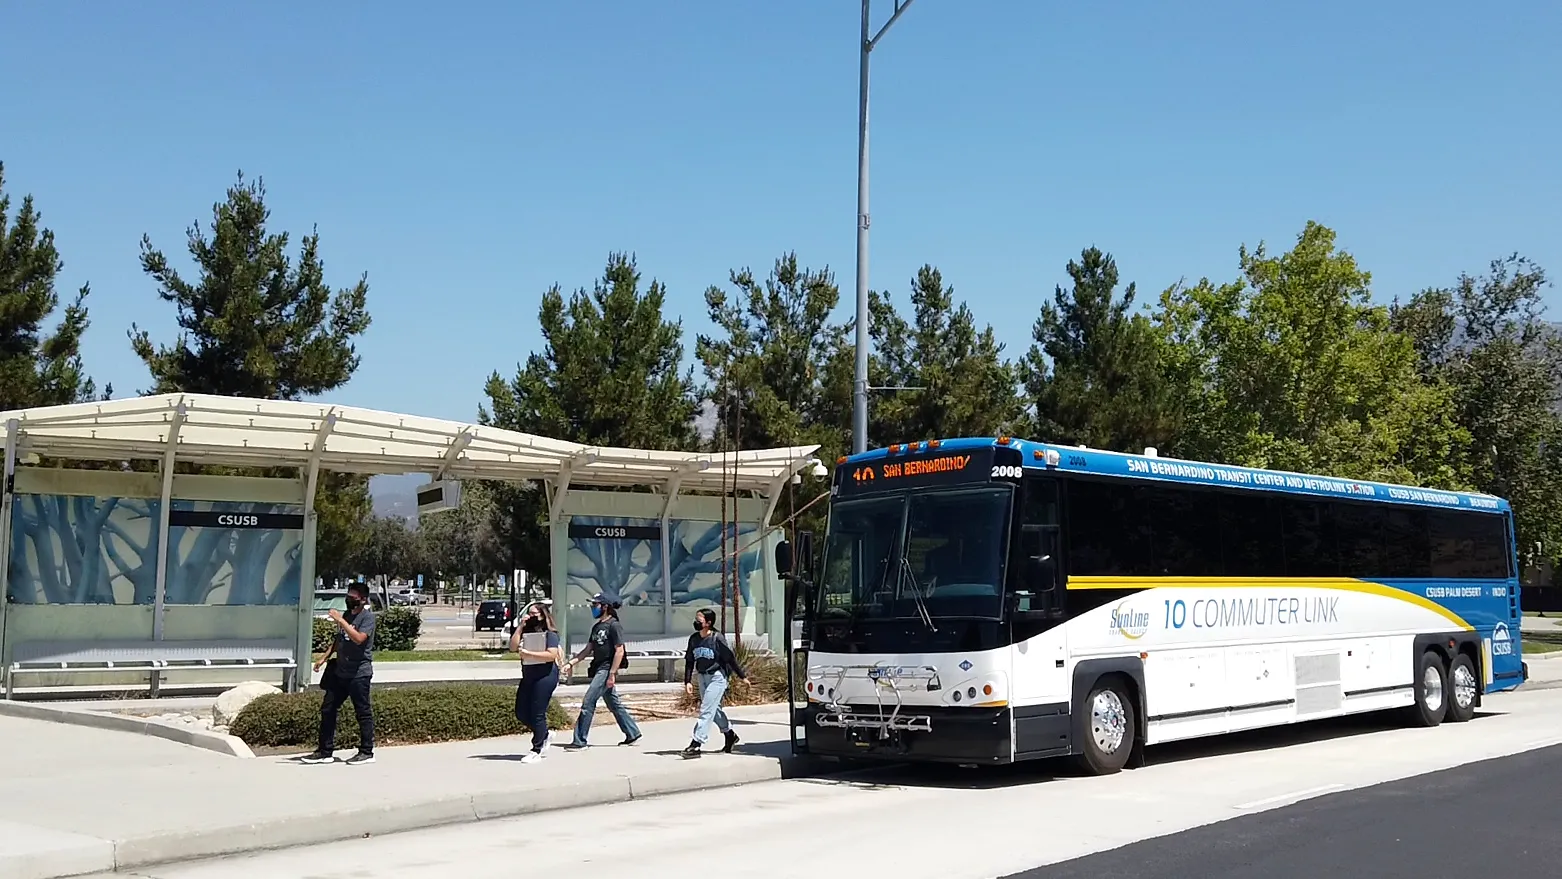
{"x":537,"y":641}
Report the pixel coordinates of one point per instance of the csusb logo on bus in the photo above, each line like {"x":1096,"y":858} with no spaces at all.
{"x":1128,"y":622}
{"x":1501,"y":641}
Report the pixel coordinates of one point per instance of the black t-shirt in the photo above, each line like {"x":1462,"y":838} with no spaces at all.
{"x":606,"y":636}
{"x":356,"y":660}
{"x":708,"y":653}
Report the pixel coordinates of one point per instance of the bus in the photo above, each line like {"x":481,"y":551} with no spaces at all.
{"x":985,"y":601}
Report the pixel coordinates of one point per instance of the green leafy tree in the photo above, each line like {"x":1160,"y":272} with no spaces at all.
{"x":769,"y":358}
{"x":344,"y":508}
{"x":1094,"y":374}
{"x":253,"y":323}
{"x":389,"y":548}
{"x":1292,"y":367}
{"x":609,"y":374}
{"x":460,"y":542}
{"x":37,"y":368}
{"x":1488,"y":340}
{"x":960,"y":384}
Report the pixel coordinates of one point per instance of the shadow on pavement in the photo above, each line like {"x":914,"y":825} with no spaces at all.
{"x":869,"y":775}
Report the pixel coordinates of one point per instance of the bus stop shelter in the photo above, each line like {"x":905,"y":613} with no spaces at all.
{"x":116,"y":574}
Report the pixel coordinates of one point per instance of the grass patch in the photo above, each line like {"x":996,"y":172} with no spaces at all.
{"x":1541,"y":642}
{"x":402,"y":716}
{"x":445,"y":656}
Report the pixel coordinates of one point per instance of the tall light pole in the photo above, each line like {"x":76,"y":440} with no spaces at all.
{"x":860,"y":383}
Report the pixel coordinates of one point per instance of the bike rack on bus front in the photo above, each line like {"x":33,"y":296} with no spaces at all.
{"x":884,"y":677}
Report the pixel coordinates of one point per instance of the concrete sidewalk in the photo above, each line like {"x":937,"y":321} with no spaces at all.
{"x":75,"y":801}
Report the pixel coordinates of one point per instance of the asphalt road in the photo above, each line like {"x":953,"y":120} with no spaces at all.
{"x":1497,"y":818}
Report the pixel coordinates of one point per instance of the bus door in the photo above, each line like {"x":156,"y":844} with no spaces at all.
{"x":799,"y":599}
{"x":1036,"y":598}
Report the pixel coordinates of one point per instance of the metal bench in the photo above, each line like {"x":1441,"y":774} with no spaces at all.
{"x":152,"y":657}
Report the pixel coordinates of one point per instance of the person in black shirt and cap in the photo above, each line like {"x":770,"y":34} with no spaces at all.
{"x":606,"y":647}
{"x":713,"y":659}
{"x":349,"y":667}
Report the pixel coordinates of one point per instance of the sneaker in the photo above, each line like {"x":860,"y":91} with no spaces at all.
{"x":691,"y":752}
{"x":575,"y":746}
{"x":532,"y":757}
{"x":546,"y":744}
{"x":318,"y":757}
{"x":732,"y":739}
{"x":632,"y":739}
{"x":361,"y":758}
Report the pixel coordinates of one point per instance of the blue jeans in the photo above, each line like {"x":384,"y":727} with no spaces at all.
{"x":598,"y":689}
{"x":712,"y":688}
{"x":531,"y":705}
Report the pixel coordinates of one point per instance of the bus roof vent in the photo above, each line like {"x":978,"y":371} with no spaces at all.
{"x":1151,"y":452}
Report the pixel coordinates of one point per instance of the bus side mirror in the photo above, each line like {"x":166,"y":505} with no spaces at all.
{"x":784,"y":560}
{"x":805,"y":555}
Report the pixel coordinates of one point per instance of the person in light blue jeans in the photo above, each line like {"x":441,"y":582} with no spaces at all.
{"x":710,"y":656}
{"x":606,"y":648}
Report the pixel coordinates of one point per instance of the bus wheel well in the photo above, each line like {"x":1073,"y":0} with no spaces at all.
{"x":1130,"y":688}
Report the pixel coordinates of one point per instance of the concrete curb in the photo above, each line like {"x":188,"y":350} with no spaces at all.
{"x":339,"y":825}
{"x":210,"y":741}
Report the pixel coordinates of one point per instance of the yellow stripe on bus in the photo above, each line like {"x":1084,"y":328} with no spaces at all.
{"x":1342,"y":584}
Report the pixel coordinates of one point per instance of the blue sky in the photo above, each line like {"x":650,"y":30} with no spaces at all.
{"x":467,"y":159}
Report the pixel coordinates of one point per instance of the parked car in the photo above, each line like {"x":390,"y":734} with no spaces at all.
{"x":491,"y":615}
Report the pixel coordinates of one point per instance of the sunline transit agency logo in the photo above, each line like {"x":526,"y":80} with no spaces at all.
{"x":1130,"y":623}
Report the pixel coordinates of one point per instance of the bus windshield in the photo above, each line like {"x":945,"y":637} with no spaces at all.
{"x":928,"y":555}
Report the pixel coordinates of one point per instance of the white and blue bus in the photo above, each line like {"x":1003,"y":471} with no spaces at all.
{"x":987,"y":601}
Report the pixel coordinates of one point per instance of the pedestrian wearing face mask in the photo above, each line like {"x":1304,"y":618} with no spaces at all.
{"x":712,"y":659}
{"x":349,"y":667}
{"x":605,"y":645}
{"x":537,"y":641}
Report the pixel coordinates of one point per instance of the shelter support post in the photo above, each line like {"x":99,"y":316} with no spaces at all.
{"x":12,"y":428}
{"x":304,"y":651}
{"x":165,"y":504}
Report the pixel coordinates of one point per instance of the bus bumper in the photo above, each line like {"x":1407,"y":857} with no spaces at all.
{"x":949,"y":735}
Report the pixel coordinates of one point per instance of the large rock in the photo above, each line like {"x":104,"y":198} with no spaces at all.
{"x":230,"y":703}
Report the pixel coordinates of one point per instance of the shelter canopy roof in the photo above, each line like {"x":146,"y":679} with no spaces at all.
{"x":249,"y":432}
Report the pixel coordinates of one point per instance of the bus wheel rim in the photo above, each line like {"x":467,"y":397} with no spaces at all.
{"x":1107,"y":723}
{"x":1432,"y":687}
{"x":1464,"y":686}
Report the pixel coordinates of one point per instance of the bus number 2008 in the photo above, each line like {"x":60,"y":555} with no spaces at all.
{"x":1006,"y":472}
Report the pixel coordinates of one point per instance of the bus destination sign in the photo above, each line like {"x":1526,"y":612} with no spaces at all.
{"x":890,"y":474}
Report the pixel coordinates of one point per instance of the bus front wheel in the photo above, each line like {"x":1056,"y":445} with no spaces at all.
{"x":1431,"y":690}
{"x":1109,"y":729}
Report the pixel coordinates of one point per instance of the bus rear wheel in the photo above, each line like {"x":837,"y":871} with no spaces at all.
{"x":1109,"y":729}
{"x":1462,"y":689}
{"x":1431,"y":690}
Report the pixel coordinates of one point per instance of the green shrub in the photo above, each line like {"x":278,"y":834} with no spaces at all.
{"x":325,"y":630}
{"x":397,"y":629}
{"x":402,"y":716}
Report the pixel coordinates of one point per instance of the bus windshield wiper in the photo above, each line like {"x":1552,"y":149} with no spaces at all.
{"x":916,"y":594}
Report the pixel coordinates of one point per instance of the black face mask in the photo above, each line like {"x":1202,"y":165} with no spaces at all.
{"x":699,"y":626}
{"x":354,"y":603}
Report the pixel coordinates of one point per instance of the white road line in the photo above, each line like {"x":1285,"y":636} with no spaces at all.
{"x":1290,"y":797}
{"x":1541,"y":743}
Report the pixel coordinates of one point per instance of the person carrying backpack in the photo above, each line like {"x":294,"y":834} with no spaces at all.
{"x":712,"y":658}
